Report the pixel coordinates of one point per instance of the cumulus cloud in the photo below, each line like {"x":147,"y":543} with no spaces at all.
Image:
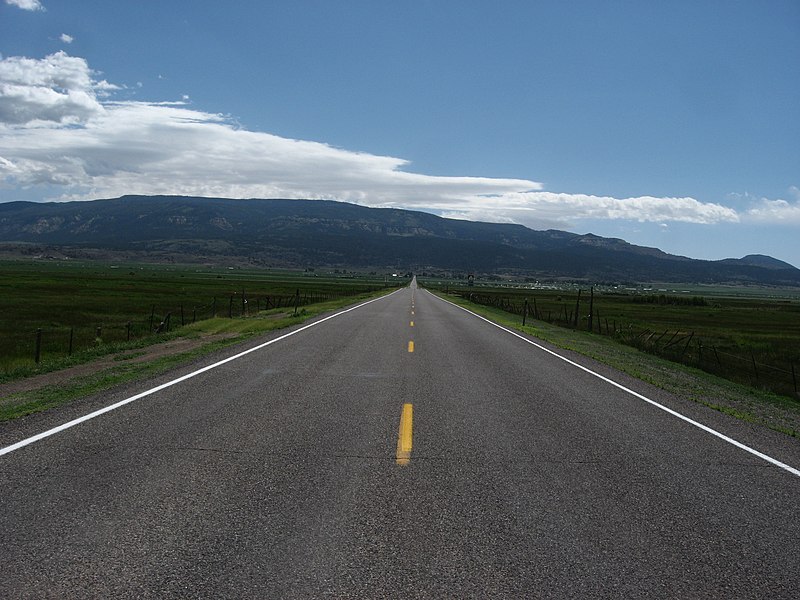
{"x":58,"y":88}
{"x":59,"y":128}
{"x":26,"y":4}
{"x":776,"y":212}
{"x":66,"y":38}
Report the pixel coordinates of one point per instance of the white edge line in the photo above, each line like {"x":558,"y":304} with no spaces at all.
{"x":674,"y":413}
{"x":109,"y":408}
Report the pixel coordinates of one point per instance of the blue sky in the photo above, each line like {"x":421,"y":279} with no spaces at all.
{"x":668,"y":124}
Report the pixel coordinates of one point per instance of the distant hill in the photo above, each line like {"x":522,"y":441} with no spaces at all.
{"x":312,"y":233}
{"x":759,"y":260}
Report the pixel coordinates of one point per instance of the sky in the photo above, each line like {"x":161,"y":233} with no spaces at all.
{"x":668,"y":124}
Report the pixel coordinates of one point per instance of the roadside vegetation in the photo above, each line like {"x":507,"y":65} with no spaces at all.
{"x":748,"y":335}
{"x":743,"y":330}
{"x":80,"y":301}
{"x":73,"y":309}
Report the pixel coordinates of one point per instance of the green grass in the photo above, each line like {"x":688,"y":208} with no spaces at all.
{"x":69,"y":298}
{"x":745,"y":403}
{"x":722,"y":334}
{"x":26,"y":403}
{"x":236,"y":330}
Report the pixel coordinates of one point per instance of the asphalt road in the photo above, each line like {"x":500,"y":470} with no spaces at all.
{"x":276,"y":475}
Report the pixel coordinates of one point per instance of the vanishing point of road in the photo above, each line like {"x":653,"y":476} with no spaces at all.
{"x":405,"y":448}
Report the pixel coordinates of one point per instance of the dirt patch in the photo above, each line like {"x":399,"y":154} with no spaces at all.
{"x":138,"y":355}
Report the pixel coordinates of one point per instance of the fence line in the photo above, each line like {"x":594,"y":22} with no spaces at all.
{"x":60,"y":341}
{"x":678,"y":346}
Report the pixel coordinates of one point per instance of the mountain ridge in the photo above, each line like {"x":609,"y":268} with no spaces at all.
{"x":311,"y":233}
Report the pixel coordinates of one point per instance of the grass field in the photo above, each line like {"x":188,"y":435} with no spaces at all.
{"x":751,"y":336}
{"x":743,"y":402}
{"x":76,"y":301}
{"x":739,"y":327}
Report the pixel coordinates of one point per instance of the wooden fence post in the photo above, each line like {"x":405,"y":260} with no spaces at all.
{"x":128,"y":328}
{"x":524,"y":312}
{"x":71,"y":337}
{"x":38,"y":351}
{"x":577,"y":309}
{"x":591,"y":309}
{"x":687,"y":345}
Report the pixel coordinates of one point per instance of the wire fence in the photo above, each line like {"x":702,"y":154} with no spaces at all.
{"x":681,"y":346}
{"x":54,"y":342}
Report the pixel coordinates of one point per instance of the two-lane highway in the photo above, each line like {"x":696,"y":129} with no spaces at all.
{"x":405,"y":448}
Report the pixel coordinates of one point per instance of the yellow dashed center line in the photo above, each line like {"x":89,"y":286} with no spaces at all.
{"x":412,"y":323}
{"x":405,"y":435}
{"x":411,"y":345}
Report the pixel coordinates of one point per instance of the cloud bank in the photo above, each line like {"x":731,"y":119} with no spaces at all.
{"x":59,"y":127}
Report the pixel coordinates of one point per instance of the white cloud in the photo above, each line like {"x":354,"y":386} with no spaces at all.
{"x":776,"y":212}
{"x":540,"y":207}
{"x":57,"y":128}
{"x":134,"y":147}
{"x":58,"y":88}
{"x":66,"y":38}
{"x":26,"y":4}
